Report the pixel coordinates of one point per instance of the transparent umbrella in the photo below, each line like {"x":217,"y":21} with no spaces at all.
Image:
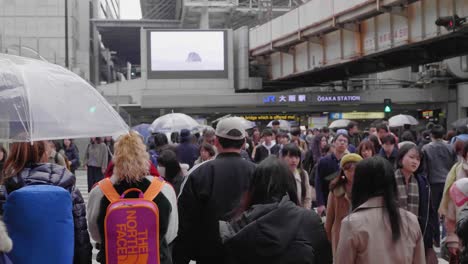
{"x":42,"y":101}
{"x":460,"y":123}
{"x":401,"y":120}
{"x":173,"y":122}
{"x":340,"y":123}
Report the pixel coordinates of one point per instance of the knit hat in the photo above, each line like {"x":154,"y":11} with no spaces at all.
{"x":459,"y":192}
{"x":350,"y":158}
{"x":230,"y":128}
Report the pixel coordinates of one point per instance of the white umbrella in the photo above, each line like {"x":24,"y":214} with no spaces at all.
{"x":44,"y":101}
{"x":284,"y":125}
{"x":173,"y":122}
{"x":340,"y":123}
{"x":400,"y":120}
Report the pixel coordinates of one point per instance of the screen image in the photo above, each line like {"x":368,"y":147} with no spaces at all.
{"x":187,"y":51}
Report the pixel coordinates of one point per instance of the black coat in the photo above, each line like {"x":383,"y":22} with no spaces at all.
{"x":276,"y":233}
{"x":73,"y":156}
{"x":261,"y":152}
{"x":53,"y":174}
{"x":211,"y":193}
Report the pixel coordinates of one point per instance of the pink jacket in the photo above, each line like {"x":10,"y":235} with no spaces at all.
{"x":366,"y":237}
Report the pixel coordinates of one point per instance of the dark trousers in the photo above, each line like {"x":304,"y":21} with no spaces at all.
{"x":94,"y":176}
{"x":437,"y":191}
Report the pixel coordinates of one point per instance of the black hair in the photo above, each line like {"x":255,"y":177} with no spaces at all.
{"x":275,"y":123}
{"x":175,"y":137}
{"x":267,"y":132}
{"x":375,"y":140}
{"x":351,"y":125}
{"x":160,"y":140}
{"x":407,"y":136}
{"x":340,"y":135}
{"x":404,"y":150}
{"x":389,"y":139}
{"x":291,"y":149}
{"x":168,"y":159}
{"x":325,"y":130}
{"x":437,"y":131}
{"x":296,"y":132}
{"x":209,"y":148}
{"x":375,"y":177}
{"x":271,"y":180}
{"x":382,"y":126}
{"x":227,"y":143}
{"x":98,"y":140}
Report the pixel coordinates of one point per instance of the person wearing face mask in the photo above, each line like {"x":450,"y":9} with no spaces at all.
{"x":414,"y":195}
{"x":339,"y":198}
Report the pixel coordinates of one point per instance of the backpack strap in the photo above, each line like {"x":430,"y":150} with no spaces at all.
{"x":154,"y":189}
{"x":108,"y":190}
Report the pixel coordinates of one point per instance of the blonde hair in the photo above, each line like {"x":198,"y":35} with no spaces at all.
{"x":131,"y":161}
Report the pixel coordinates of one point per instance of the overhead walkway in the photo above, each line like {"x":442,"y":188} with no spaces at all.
{"x":332,"y":40}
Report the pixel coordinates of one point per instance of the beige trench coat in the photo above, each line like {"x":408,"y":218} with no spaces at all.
{"x":366,"y":237}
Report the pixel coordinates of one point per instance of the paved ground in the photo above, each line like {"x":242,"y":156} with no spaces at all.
{"x":83,"y":186}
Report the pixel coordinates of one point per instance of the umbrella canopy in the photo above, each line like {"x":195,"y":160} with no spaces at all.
{"x":44,"y":101}
{"x":340,"y":123}
{"x":143,"y":130}
{"x":173,"y":122}
{"x":284,"y":125}
{"x":460,"y":123}
{"x":401,"y":120}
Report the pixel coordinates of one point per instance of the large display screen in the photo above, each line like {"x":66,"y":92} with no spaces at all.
{"x":187,"y":54}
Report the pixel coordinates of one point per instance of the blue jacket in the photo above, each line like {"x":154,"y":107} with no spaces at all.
{"x":187,"y":153}
{"x":327,"y":166}
{"x":428,"y":219}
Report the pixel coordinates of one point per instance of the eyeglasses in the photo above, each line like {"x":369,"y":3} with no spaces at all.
{"x":342,"y":141}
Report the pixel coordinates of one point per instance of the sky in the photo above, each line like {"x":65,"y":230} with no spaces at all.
{"x":130,"y":9}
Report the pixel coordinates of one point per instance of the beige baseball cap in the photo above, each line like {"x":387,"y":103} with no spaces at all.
{"x":230,"y":128}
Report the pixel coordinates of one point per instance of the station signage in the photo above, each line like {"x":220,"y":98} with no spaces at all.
{"x":285,"y":98}
{"x":338,"y":98}
{"x":270,"y":117}
{"x":278,"y":99}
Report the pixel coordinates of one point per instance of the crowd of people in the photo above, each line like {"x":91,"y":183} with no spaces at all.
{"x":270,"y":196}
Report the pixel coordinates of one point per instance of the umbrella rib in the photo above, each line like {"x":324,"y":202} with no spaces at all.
{"x":29,"y":106}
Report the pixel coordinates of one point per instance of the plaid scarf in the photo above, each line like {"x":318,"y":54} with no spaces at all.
{"x":408,"y":195}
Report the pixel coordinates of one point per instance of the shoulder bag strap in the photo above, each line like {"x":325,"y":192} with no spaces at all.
{"x":108,"y":190}
{"x":154,"y":189}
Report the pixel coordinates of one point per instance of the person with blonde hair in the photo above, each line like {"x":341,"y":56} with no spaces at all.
{"x":131,"y":171}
